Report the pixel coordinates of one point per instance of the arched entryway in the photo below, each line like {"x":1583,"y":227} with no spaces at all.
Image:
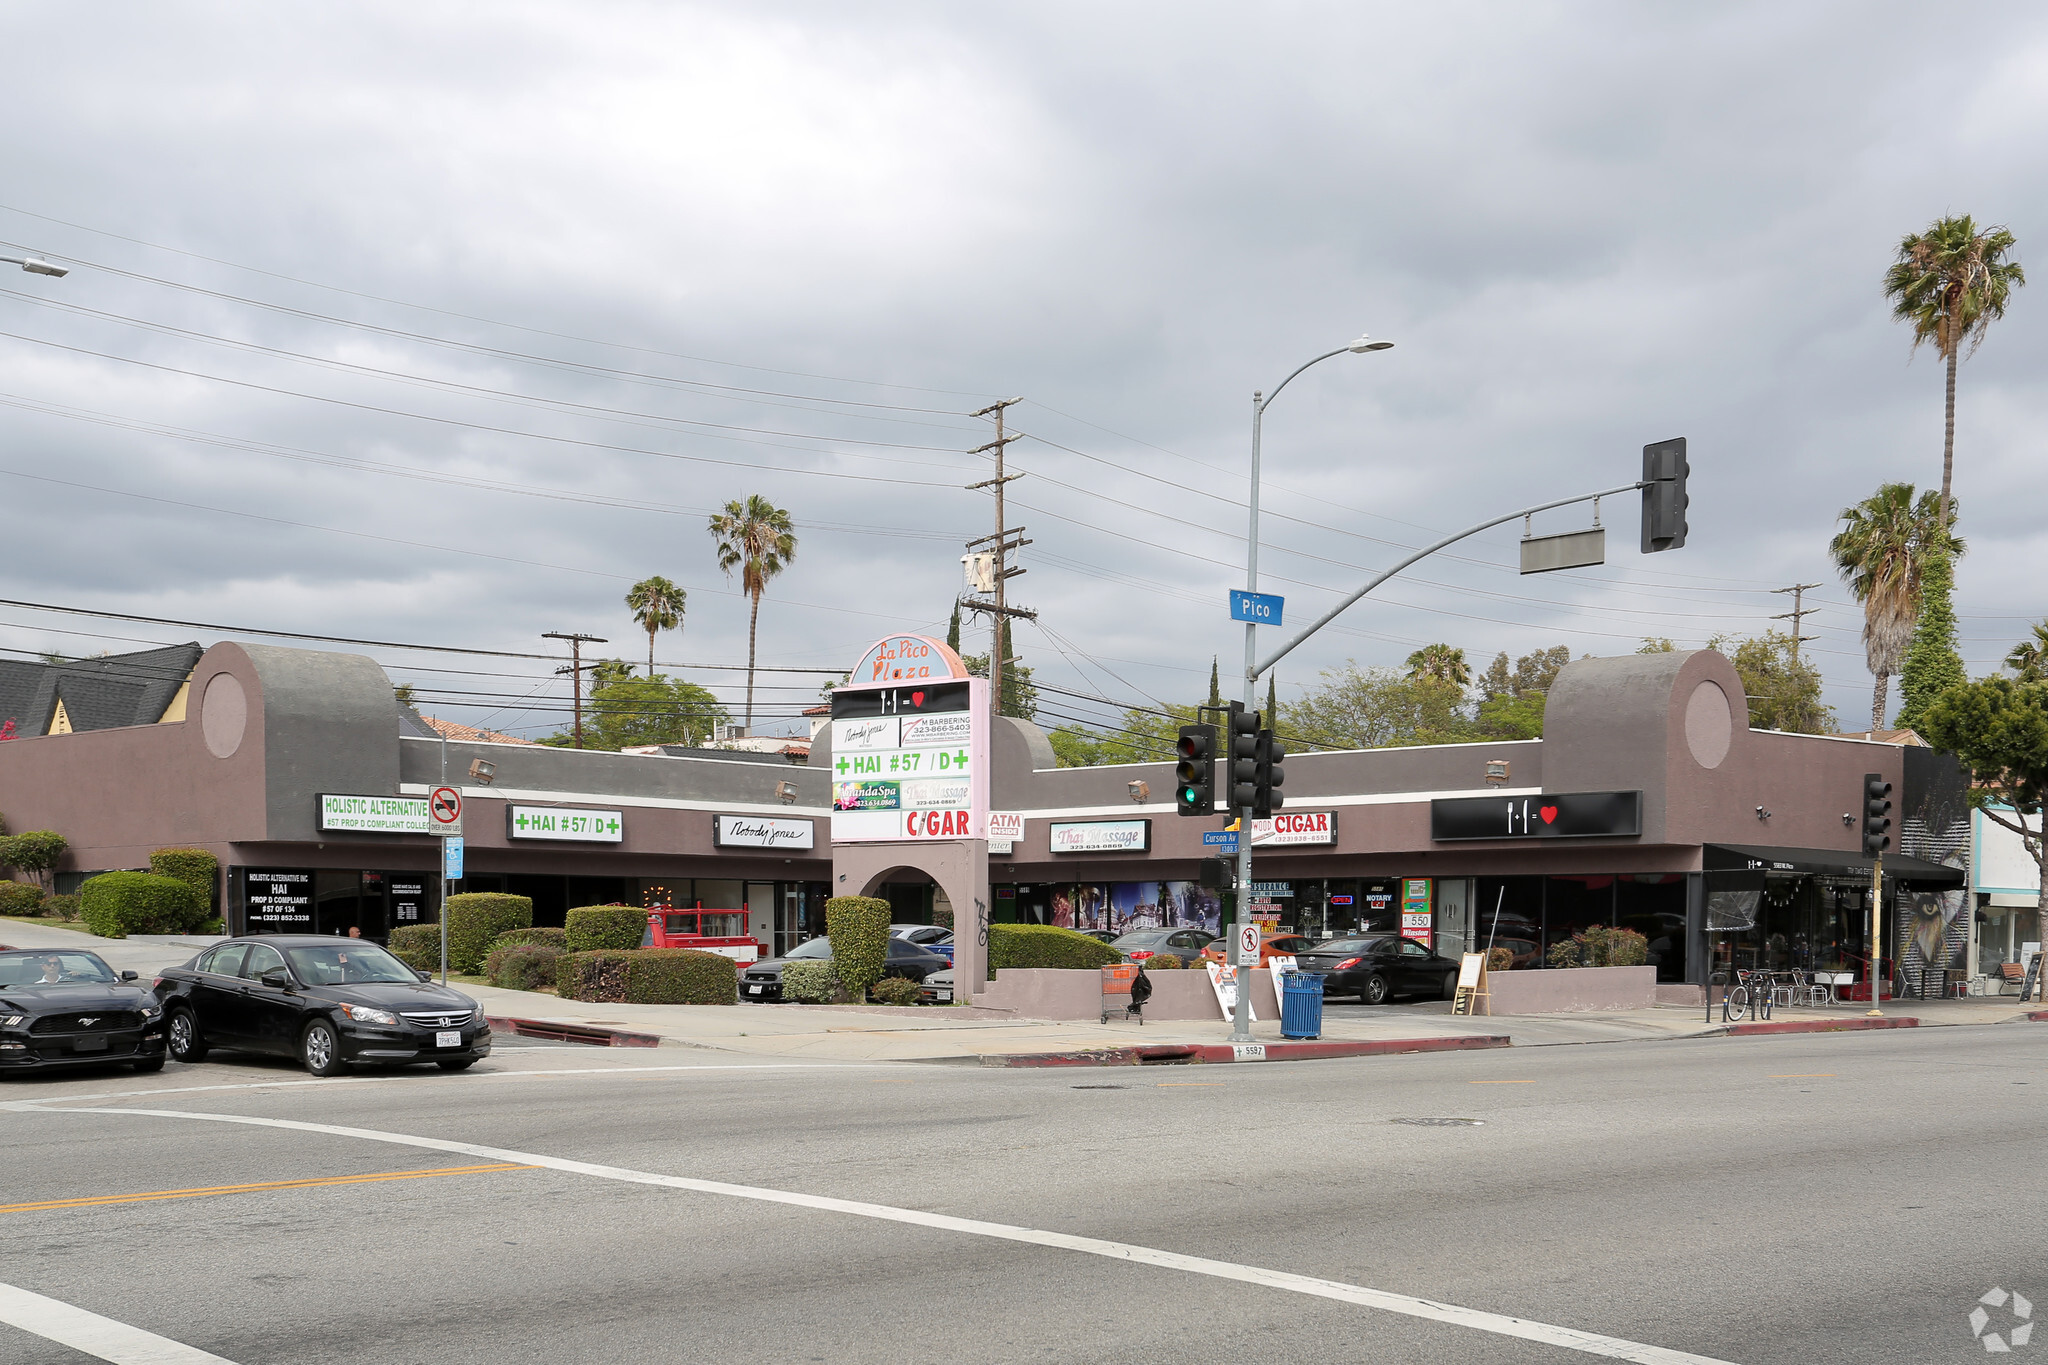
{"x":956,"y":869}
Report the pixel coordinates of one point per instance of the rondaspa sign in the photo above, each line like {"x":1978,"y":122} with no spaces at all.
{"x":374,"y":814}
{"x":1290,"y":829}
{"x":553,"y":822}
{"x":757,"y":831}
{"x":1100,"y":836}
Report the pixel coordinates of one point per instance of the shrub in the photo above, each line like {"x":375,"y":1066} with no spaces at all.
{"x":1499,"y":959}
{"x":20,"y":898}
{"x":809,"y":983}
{"x":593,"y":928}
{"x":61,"y":907}
{"x":553,"y":937}
{"x":418,"y":946}
{"x":216,"y":925}
{"x":894,"y":990}
{"x":476,"y":918}
{"x":1161,"y":962}
{"x":195,"y":867}
{"x":1042,"y":945}
{"x":648,"y":976}
{"x":1600,"y":946}
{"x":523,"y":966}
{"x":35,"y":852}
{"x":117,"y":904}
{"x":859,"y":929}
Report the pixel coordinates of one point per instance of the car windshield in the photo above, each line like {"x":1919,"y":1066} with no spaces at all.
{"x":817,"y":947}
{"x":33,"y":969}
{"x":346,"y":964}
{"x":1350,"y":945}
{"x":1140,"y":940}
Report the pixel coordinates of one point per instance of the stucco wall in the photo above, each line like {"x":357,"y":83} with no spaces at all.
{"x":1064,"y":993}
{"x":1572,"y":990}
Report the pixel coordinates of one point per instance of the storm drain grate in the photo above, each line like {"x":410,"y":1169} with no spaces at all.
{"x":1442,"y":1123}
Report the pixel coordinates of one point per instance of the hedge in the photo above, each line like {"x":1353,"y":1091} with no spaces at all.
{"x":20,"y":898}
{"x":859,"y":929}
{"x":475,"y":919}
{"x":1042,"y":945}
{"x":418,"y":946}
{"x":64,"y":907}
{"x":809,"y":982}
{"x":593,"y":928}
{"x":523,"y":966}
{"x":649,"y":976}
{"x":1161,"y":962}
{"x":117,"y":904}
{"x":894,"y":990}
{"x":553,"y":936}
{"x":195,"y":867}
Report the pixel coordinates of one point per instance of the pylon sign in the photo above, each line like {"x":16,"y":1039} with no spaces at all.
{"x":910,"y":747}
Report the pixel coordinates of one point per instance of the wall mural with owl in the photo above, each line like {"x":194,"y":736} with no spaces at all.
{"x":1932,"y":928}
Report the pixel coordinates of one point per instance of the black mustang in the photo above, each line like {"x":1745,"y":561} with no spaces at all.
{"x":326,"y":1001}
{"x":63,"y":1007}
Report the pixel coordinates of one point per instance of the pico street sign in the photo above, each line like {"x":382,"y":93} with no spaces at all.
{"x":1259,"y":608}
{"x":444,"y":812}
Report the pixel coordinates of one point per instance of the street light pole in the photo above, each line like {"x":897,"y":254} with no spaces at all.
{"x":1241,"y":1017}
{"x":36,"y":265}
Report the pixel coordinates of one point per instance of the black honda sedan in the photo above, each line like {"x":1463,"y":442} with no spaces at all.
{"x":63,"y":1007}
{"x":1377,"y":967}
{"x":326,"y":1001}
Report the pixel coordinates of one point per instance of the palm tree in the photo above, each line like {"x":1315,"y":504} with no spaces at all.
{"x":2029,"y":658}
{"x":657,"y":605}
{"x":755,"y":537}
{"x":1952,"y":282}
{"x":1879,"y":551}
{"x":1440,"y":663}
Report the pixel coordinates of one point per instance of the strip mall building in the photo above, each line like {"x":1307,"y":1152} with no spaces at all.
{"x":1647,"y":794}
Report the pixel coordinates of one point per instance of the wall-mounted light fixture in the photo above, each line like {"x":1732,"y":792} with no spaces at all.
{"x":1762,"y":814}
{"x":483,"y":770}
{"x":1141,"y":791}
{"x":1496,"y":770}
{"x":787,"y":791}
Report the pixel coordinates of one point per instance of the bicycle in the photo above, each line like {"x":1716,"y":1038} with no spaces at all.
{"x":1750,"y":997}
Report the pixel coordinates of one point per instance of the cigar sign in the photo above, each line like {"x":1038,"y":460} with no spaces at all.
{"x":1289,"y":829}
{"x":909,"y":746}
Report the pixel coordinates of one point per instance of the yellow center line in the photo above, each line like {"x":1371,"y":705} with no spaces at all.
{"x":94,"y":1201}
{"x":1500,"y":1082}
{"x":1802,"y":1075}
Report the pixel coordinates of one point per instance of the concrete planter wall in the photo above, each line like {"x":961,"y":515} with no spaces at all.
{"x":1065,"y":993}
{"x":1562,"y":990}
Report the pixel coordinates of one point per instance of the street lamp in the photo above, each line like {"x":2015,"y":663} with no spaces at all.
{"x":1241,"y":1026}
{"x":36,"y":265}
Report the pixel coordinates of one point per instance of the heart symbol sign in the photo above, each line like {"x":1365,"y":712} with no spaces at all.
{"x":917,"y":698}
{"x":1549,"y":813}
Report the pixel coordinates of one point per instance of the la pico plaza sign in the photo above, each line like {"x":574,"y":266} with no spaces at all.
{"x":909,"y":746}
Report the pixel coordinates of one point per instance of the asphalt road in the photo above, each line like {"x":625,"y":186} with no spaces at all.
{"x":1814,"y":1198}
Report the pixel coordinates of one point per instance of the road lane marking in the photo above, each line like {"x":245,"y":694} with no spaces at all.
{"x":1500,"y":1082}
{"x":1802,"y":1075}
{"x":1570,"y":1338}
{"x":1183,"y":1085}
{"x":100,"y":1200}
{"x":104,"y":1338}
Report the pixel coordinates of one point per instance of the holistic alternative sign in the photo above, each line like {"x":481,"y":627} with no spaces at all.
{"x":374,"y":814}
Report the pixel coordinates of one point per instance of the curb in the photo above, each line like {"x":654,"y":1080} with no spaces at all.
{"x":1820,"y":1026}
{"x":559,"y":1032}
{"x":1167,"y":1054}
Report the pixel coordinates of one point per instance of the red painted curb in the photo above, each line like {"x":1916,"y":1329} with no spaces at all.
{"x":559,"y":1032}
{"x":1156,"y":1054}
{"x":1822,"y":1026}
{"x":2038,"y":1016}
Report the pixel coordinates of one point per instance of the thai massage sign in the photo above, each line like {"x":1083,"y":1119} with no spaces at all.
{"x":909,"y":746}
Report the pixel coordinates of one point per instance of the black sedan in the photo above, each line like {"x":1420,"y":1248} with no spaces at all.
{"x":62,"y":1007}
{"x":1377,"y":967}
{"x":326,"y":1001}
{"x":762,"y":981}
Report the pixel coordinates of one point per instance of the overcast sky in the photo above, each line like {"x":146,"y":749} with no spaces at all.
{"x":444,"y":324}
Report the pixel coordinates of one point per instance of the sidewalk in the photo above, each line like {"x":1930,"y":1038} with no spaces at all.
{"x":814,"y":1033}
{"x":143,"y":954}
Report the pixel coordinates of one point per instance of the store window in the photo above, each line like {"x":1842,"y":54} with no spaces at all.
{"x":1654,"y":906}
{"x":1573,"y":905}
{"x":1509,"y":915}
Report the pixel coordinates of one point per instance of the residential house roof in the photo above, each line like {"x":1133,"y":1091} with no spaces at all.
{"x":96,"y":694}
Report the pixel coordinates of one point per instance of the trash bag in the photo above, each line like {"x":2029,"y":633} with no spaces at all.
{"x":1141,"y":989}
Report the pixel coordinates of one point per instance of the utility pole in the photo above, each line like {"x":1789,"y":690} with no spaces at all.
{"x":999,"y":609}
{"x":1799,"y":610}
{"x":575,"y":668}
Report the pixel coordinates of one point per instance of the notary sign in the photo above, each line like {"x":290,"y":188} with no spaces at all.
{"x":910,"y":747}
{"x":1557,"y":815}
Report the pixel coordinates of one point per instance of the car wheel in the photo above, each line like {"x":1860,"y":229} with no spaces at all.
{"x":1450,"y":986}
{"x":1374,"y":992}
{"x":149,"y":1066}
{"x":457,"y":1064}
{"x":185,"y":1043}
{"x":320,"y":1049}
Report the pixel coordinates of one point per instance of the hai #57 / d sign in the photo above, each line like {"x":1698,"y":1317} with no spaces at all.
{"x":554,"y":822}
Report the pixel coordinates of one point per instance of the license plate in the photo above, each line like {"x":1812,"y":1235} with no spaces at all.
{"x":753,"y":990}
{"x":88,"y":1045}
{"x":451,"y":1038}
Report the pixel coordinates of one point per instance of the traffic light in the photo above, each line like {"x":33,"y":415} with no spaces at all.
{"x":1244,"y":757}
{"x":1877,"y":814}
{"x":1266,"y":796}
{"x":1194,"y":777}
{"x":1664,"y":497}
{"x":1213,"y":874}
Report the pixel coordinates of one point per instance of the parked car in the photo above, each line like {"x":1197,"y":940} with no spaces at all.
{"x":936,"y":937}
{"x":1185,"y":944}
{"x":1270,"y":947}
{"x":326,"y":1001}
{"x":62,"y":1007}
{"x":1378,"y":967}
{"x":937,"y":988}
{"x":1099,"y":935}
{"x":762,"y":981}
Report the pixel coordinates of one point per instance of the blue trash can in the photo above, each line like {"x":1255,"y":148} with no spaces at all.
{"x":1301,"y":1005}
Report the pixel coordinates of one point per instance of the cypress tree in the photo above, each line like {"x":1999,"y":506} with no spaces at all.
{"x":953,"y":630}
{"x":1933,"y":664}
{"x":1215,"y":692}
{"x":1272,"y":702}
